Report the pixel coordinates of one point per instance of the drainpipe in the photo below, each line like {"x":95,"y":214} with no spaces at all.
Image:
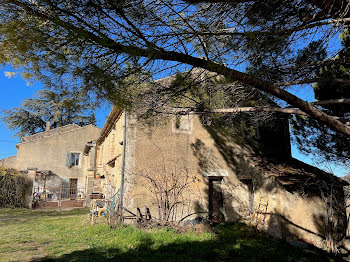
{"x":121,"y":207}
{"x":91,"y":168}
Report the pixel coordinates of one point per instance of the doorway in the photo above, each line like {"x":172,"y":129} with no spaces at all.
{"x":73,"y":187}
{"x":215,"y":198}
{"x":250,"y":189}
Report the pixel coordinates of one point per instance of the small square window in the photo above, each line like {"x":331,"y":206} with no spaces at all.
{"x":182,"y":124}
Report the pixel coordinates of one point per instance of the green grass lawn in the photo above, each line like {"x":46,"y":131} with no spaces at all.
{"x":27,"y":235}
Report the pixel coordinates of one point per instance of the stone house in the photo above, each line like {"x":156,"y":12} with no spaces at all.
{"x":181,"y":169}
{"x":8,"y":162}
{"x":104,"y":157}
{"x":54,"y":160}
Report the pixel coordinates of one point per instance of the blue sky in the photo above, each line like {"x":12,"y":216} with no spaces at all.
{"x":14,"y":90}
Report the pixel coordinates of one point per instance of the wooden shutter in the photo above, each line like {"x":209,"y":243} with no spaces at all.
{"x":69,"y":160}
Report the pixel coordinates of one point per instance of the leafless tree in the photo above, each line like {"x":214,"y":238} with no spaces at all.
{"x":168,"y":187}
{"x":332,"y":221}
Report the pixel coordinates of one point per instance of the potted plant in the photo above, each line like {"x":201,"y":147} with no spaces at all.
{"x":97,"y":176}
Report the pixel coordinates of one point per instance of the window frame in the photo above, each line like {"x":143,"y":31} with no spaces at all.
{"x":72,"y":186}
{"x":71,"y":153}
{"x":178,"y":123}
{"x":74,"y":159}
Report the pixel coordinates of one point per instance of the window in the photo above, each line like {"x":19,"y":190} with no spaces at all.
{"x":73,"y":159}
{"x":182,"y":124}
{"x":177,"y":122}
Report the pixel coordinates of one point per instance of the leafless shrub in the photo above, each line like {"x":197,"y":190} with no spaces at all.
{"x":13,"y":186}
{"x":168,"y":187}
{"x":331,"y":221}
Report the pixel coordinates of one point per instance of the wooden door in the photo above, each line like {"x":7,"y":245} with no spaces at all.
{"x":73,"y":187}
{"x":215,"y":198}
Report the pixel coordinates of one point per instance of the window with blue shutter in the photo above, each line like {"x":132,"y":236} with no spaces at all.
{"x":72,"y":159}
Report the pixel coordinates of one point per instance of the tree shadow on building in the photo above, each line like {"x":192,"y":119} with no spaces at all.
{"x":220,"y":183}
{"x":285,"y":172}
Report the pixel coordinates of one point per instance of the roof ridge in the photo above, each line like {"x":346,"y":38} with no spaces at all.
{"x":8,"y":157}
{"x":55,"y":131}
{"x":49,"y":132}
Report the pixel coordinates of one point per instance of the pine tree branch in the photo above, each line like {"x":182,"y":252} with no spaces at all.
{"x":189,"y":110}
{"x":227,"y":32}
{"x":165,"y":55}
{"x":342,"y":82}
{"x":332,"y":102}
{"x":235,"y":110}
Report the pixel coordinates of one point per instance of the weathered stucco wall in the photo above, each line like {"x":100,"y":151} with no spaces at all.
{"x":290,"y":215}
{"x":206,"y":165}
{"x":49,"y":153}
{"x":109,"y":159}
{"x":191,"y":154}
{"x":163,"y":151}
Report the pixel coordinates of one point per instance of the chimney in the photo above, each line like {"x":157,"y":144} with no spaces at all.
{"x":47,"y":126}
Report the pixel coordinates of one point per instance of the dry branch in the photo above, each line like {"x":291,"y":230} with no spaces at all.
{"x":13,"y":188}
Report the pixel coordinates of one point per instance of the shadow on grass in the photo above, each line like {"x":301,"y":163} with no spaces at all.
{"x":231,"y":242}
